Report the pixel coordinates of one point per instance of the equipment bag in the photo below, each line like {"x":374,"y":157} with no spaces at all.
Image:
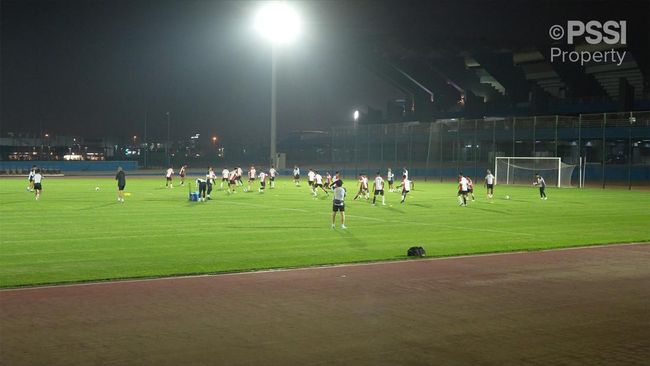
{"x":416,"y":252}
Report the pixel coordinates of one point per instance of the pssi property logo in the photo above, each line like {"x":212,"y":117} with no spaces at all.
{"x":593,"y":32}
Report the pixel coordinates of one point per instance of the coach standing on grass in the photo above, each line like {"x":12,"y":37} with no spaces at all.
{"x":338,"y":203}
{"x":120,"y":177}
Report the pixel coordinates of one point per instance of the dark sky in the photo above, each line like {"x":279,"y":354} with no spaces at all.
{"x":94,"y":68}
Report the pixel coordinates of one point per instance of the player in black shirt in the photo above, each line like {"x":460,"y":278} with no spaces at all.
{"x":120,"y":177}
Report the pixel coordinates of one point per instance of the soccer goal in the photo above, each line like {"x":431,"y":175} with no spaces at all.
{"x":522,"y":170}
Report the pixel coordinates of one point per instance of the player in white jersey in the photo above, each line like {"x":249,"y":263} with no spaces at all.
{"x":366,"y":185}
{"x":168,"y":177}
{"x":318,"y":183}
{"x":470,"y":187}
{"x":239,"y":174}
{"x":310,"y":180}
{"x":232,"y":181}
{"x":224,"y":177}
{"x":37,"y":183}
{"x":210,"y":180}
{"x":30,"y":178}
{"x":406,"y":187}
{"x":489,"y":184}
{"x":252,"y":173}
{"x":262,"y":182}
{"x":363,"y":187}
{"x":272,"y":174}
{"x":328,"y":180}
{"x":337,"y":177}
{"x":378,"y":188}
{"x":390,"y":177}
{"x":310,"y":175}
{"x":296,"y":175}
{"x":406,"y":173}
{"x":181,"y":173}
{"x":463,"y":188}
{"x":338,"y":204}
{"x":541,"y":183}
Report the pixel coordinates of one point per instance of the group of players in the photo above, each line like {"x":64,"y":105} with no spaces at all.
{"x":315,"y":181}
{"x":466,"y":187}
{"x":230,"y":178}
{"x":233,"y":179}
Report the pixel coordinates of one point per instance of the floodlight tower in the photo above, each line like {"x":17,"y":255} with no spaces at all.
{"x":280,"y":24}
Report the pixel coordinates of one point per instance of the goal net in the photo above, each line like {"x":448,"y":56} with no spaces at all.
{"x":522,"y":170}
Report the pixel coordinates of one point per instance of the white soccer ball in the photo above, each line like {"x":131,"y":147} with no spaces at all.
{"x":97,"y":188}
{"x":507,"y":197}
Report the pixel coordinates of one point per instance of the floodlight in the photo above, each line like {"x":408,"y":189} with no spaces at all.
{"x":278,"y":22}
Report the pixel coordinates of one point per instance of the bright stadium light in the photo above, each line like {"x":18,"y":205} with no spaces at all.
{"x":278,"y":22}
{"x":355,"y":115}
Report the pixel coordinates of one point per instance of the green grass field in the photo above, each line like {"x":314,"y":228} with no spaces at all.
{"x":75,"y":233}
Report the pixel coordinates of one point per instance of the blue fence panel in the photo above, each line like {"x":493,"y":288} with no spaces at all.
{"x":70,"y":166}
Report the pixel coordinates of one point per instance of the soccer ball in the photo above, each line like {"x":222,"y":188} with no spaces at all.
{"x":97,"y":189}
{"x":507,"y":197}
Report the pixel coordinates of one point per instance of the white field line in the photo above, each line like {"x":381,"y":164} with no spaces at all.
{"x":113,"y":282}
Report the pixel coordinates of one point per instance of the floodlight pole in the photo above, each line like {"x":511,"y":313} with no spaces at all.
{"x":146,"y":143}
{"x":168,"y":142}
{"x":274,"y":111}
{"x":632,"y":119}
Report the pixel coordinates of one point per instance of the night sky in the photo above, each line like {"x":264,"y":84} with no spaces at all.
{"x":96,"y":68}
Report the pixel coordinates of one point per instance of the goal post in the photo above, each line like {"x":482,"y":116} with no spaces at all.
{"x":522,"y":170}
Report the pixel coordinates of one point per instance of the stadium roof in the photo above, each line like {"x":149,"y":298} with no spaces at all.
{"x":494,"y":55}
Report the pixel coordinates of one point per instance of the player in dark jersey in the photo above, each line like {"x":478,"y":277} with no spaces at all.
{"x":120,"y":177}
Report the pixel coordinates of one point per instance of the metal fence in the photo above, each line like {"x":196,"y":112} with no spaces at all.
{"x":615,"y":146}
